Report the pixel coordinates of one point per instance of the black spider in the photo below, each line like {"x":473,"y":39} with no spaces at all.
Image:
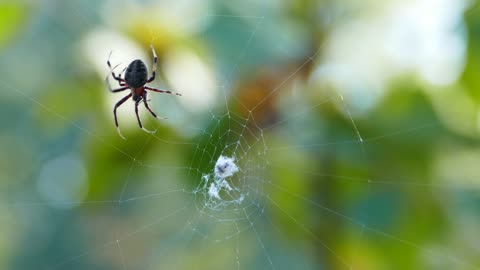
{"x":136,"y":75}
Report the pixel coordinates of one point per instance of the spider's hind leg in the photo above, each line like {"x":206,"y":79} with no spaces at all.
{"x":115,"y":113}
{"x":162,"y":91}
{"x":148,"y":107}
{"x":140,"y":121}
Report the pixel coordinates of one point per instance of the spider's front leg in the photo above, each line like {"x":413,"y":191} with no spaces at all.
{"x":117,"y":78}
{"x":115,"y":90}
{"x":154,"y":66}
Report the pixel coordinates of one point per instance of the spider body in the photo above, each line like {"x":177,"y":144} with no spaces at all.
{"x":136,"y":78}
{"x":136,"y":74}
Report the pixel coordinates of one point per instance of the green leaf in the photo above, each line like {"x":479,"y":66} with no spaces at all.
{"x":11,"y":18}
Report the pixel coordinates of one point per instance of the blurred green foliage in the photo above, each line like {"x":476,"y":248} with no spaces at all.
{"x":12,"y":16}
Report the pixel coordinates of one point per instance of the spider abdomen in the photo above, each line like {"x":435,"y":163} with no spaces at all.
{"x":136,"y":74}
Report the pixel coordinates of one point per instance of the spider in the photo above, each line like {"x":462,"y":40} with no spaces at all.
{"x":136,"y":75}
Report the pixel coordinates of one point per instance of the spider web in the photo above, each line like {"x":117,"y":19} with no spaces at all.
{"x":234,"y":221}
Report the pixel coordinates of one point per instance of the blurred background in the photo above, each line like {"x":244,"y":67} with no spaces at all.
{"x":354,"y":124}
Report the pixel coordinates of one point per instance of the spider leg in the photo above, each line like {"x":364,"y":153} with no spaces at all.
{"x":115,"y":90}
{"x":140,"y":121}
{"x":118,"y":78}
{"x":154,"y":67}
{"x":115,"y":113}
{"x":161,"y":91}
{"x":122,"y":82}
{"x":148,"y":107}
